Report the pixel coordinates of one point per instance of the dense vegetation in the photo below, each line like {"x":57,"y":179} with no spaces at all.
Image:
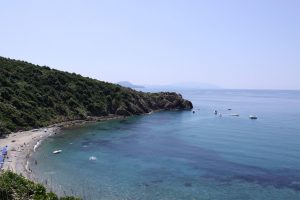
{"x":16,"y":187}
{"x":33,"y":96}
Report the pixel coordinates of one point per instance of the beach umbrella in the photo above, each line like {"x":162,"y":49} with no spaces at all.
{"x":4,"y":151}
{"x":1,"y":161}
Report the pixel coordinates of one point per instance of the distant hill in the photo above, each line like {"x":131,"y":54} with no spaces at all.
{"x":32,"y":96}
{"x":185,"y":85}
{"x":128,"y":84}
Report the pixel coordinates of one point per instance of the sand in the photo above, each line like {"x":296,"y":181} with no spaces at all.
{"x":21,"y":145}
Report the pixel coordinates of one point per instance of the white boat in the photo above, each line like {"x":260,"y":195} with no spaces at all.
{"x":252,"y":117}
{"x":235,"y":115}
{"x":92,"y":158}
{"x":57,"y":151}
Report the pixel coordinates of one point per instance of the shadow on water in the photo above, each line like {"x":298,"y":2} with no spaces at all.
{"x":214,"y":166}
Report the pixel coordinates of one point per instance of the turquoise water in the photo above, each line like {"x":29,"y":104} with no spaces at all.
{"x":181,"y":155}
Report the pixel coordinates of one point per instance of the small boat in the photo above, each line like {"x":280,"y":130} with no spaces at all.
{"x":57,"y":151}
{"x":92,"y":158}
{"x":229,"y":109}
{"x":216,"y":112}
{"x":252,"y":117}
{"x":234,"y":115}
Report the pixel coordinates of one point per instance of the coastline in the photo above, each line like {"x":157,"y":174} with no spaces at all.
{"x":22,"y":144}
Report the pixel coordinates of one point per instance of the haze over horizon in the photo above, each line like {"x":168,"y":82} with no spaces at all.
{"x":233,"y":44}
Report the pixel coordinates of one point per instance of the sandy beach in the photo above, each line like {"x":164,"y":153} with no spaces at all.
{"x":23,"y":143}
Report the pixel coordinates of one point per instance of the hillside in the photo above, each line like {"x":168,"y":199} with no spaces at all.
{"x":16,"y":187}
{"x":33,"y":96}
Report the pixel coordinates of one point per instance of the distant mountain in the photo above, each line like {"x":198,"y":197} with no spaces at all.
{"x":128,"y":84}
{"x":33,"y":96}
{"x":185,"y":85}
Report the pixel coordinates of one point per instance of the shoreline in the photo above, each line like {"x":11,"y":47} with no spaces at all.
{"x":22,"y":144}
{"x":20,"y":147}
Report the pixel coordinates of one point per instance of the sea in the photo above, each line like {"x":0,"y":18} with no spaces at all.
{"x":174,"y":155}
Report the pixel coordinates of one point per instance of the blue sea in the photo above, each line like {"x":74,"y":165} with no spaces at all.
{"x":176,"y":155}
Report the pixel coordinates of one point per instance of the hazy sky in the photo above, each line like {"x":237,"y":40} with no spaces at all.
{"x":230,"y":43}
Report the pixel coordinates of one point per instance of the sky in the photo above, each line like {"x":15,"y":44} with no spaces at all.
{"x":236,"y":44}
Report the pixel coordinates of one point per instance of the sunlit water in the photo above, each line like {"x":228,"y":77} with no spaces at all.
{"x":181,"y":155}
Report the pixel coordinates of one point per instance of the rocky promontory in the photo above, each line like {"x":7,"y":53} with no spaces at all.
{"x":141,"y":103}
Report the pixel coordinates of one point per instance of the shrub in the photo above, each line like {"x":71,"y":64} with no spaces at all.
{"x":15,"y":187}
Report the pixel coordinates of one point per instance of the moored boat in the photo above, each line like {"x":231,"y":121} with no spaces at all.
{"x":57,"y":151}
{"x":252,"y":117}
{"x":92,"y":158}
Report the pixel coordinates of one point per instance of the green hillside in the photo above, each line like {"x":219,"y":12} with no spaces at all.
{"x":33,"y":96}
{"x":16,"y":187}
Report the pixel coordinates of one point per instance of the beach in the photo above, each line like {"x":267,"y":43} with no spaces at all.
{"x":23,"y":143}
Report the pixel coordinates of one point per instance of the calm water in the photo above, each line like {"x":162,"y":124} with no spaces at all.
{"x":181,"y":155}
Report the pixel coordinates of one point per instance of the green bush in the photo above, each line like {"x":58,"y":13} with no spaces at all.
{"x":16,"y":187}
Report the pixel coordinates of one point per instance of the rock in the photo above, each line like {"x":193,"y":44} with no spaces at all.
{"x":140,"y":103}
